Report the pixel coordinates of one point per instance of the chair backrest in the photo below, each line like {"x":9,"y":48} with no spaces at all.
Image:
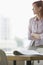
{"x":3,"y":58}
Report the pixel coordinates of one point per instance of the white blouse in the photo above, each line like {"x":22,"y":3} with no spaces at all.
{"x":36,"y":26}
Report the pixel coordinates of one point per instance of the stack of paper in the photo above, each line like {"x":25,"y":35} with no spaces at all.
{"x":26,"y":52}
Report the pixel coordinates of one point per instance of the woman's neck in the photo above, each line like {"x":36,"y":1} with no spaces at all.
{"x":39,"y":17}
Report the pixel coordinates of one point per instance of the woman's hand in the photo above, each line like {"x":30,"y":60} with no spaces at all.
{"x":35,"y":36}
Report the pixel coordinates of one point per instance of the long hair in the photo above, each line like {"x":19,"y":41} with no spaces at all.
{"x":39,"y":4}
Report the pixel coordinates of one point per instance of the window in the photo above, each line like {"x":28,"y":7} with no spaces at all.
{"x":15,"y":15}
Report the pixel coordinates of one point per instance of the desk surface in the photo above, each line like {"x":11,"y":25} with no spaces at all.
{"x":22,"y":57}
{"x":12,"y":57}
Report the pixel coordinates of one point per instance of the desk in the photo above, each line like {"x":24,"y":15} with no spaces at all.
{"x":24,"y":57}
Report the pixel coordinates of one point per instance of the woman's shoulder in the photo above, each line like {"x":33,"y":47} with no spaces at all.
{"x":33,"y":18}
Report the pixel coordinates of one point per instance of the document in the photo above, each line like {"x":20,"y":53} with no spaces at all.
{"x":22,"y":51}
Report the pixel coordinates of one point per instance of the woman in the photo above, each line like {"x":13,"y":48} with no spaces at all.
{"x":36,"y":26}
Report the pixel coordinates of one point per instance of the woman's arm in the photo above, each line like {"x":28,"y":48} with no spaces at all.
{"x":36,"y":36}
{"x":30,"y":37}
{"x":33,"y":36}
{"x":41,"y":35}
{"x":29,"y":30}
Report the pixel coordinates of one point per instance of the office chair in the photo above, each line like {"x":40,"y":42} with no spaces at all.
{"x":3,"y":58}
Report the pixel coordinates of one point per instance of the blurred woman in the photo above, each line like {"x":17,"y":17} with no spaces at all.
{"x":36,"y":26}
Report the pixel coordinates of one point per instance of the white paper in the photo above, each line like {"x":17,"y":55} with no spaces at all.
{"x":23,"y":51}
{"x":27,"y":52}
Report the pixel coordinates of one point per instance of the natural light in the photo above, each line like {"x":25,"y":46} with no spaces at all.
{"x":14,"y":18}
